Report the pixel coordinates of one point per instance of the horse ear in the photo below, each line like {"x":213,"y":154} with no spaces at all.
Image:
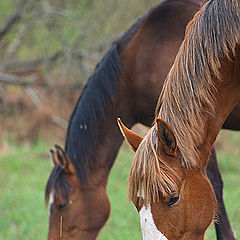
{"x":54,"y":157}
{"x":166,"y":137}
{"x":59,"y":157}
{"x":132,"y":138}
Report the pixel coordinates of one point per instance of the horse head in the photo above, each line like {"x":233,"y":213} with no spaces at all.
{"x":77,"y":210}
{"x":173,"y":201}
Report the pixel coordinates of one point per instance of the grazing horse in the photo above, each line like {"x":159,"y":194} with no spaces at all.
{"x":168,"y":182}
{"x":139,"y":60}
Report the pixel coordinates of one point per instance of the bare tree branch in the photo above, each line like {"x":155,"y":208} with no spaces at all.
{"x":12,"y":79}
{"x":34,"y":97}
{"x":13,"y":48}
{"x":20,"y":81}
{"x":30,"y":64}
{"x":15,"y":17}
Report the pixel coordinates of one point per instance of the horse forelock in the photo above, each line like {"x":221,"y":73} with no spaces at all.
{"x":150,"y":176}
{"x":213,"y":34}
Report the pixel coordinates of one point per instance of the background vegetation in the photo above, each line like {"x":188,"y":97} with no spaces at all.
{"x":48,"y":49}
{"x":25,"y":169}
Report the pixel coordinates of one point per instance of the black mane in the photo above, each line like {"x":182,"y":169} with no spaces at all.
{"x":97,"y":97}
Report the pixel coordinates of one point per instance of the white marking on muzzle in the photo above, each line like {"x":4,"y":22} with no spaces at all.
{"x":149,"y":229}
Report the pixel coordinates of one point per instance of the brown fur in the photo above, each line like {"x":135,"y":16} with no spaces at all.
{"x":188,"y":89}
{"x":146,"y":56}
{"x":190,"y":79}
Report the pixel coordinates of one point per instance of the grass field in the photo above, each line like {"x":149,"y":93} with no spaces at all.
{"x":24,"y":171}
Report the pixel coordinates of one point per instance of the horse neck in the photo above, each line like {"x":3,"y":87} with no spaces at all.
{"x":104,"y":142}
{"x":227,"y":97}
{"x":108,"y":143}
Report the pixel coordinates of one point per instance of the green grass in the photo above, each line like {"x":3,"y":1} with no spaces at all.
{"x":124,"y":222}
{"x":24,"y":172}
{"x":22,"y":179}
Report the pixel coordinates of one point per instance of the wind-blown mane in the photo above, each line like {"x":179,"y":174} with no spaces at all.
{"x":188,"y":89}
{"x":212,"y":34}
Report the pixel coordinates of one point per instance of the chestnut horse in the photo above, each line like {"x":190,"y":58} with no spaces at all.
{"x":168,"y":182}
{"x":139,"y":60}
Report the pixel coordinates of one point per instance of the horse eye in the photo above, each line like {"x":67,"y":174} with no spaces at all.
{"x":172,"y":201}
{"x":61,"y":206}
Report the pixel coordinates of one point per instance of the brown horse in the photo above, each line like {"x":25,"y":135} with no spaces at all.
{"x":139,"y":60}
{"x":168,"y":181}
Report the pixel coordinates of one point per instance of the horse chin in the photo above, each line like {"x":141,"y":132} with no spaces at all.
{"x":79,"y":221}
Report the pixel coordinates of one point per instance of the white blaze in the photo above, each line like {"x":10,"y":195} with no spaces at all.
{"x":51,"y":201}
{"x":149,"y":229}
